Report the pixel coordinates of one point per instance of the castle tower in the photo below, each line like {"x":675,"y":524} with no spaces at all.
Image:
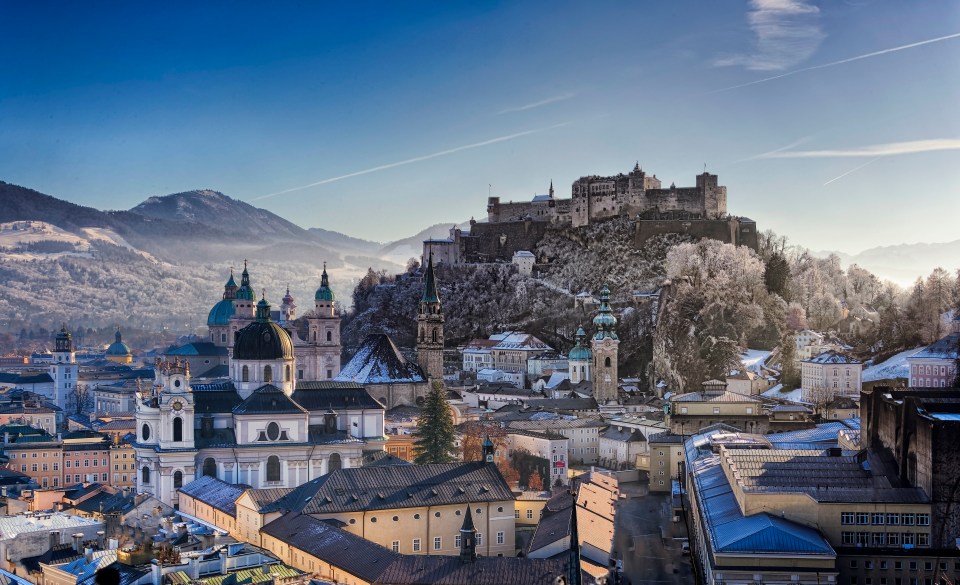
{"x":468,"y":539}
{"x":430,"y":328}
{"x":64,"y":370}
{"x":321,"y":361}
{"x":218,"y":320}
{"x":580,"y":360}
{"x":605,"y":345}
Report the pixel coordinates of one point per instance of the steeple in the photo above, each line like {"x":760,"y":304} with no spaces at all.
{"x":64,"y":341}
{"x":605,"y":322}
{"x":468,"y":536}
{"x":605,"y":346}
{"x":245,"y":292}
{"x":551,"y":188}
{"x":430,"y":327}
{"x":230,"y":289}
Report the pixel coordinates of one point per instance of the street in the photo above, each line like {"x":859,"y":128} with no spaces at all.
{"x":642,"y":521}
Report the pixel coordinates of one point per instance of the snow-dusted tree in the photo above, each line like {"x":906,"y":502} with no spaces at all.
{"x":824,"y":310}
{"x":796,"y":317}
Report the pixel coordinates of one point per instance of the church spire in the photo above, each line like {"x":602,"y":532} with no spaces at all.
{"x":468,"y":536}
{"x":430,"y":294}
{"x":430,"y":327}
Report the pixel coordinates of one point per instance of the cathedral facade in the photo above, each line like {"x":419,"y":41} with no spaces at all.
{"x":278,"y":420}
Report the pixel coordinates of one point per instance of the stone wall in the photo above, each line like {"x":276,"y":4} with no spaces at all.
{"x":734,"y":230}
{"x":497,"y":242}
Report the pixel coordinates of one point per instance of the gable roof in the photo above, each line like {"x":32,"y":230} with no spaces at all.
{"x":398,"y":486}
{"x":268,"y":399}
{"x":219,"y":494}
{"x":378,"y":361}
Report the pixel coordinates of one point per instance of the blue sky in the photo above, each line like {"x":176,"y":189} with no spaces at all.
{"x":399,"y":115}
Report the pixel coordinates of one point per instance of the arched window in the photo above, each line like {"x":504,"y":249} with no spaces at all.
{"x":335,"y":463}
{"x":145,"y":475}
{"x":314,"y":336}
{"x":273,"y":468}
{"x":177,"y":480}
{"x":434,"y":335}
{"x":329,"y":335}
{"x":267,"y":374}
{"x":178,"y":429}
{"x":606,"y":362}
{"x":145,"y":433}
{"x":210,"y":467}
{"x":287,"y":374}
{"x":245,"y":374}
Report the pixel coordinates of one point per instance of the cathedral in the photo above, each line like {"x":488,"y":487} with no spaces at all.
{"x":285,"y":415}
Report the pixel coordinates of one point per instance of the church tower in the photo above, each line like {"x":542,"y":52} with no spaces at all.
{"x":64,"y":369}
{"x":218,"y":320}
{"x":288,"y":309}
{"x":430,"y":328}
{"x":322,"y":359}
{"x":605,"y":345}
{"x":580,"y":359}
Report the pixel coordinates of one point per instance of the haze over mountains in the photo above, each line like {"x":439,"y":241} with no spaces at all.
{"x":106,"y":265}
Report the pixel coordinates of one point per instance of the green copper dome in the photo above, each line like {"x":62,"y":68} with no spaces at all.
{"x":605,"y":322}
{"x":580,"y":352}
{"x":324,"y":293}
{"x":220,"y":313}
{"x":118,"y":347}
{"x":245,"y":292}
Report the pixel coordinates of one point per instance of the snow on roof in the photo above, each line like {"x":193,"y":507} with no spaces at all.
{"x":894,"y":367}
{"x":538,"y":198}
{"x":13,"y":526}
{"x":556,"y":378}
{"x":942,"y":349}
{"x":754,"y":359}
{"x":777,"y":393}
{"x":523,"y":253}
{"x":832,"y":357}
{"x":521,"y":341}
{"x":378,"y":361}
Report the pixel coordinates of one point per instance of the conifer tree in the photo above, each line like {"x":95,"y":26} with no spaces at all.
{"x":434,"y":436}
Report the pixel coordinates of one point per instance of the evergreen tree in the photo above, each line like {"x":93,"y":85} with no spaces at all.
{"x":776,"y":276}
{"x":434,"y":437}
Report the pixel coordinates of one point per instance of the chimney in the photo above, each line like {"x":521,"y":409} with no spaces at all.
{"x":101,"y":539}
{"x":223,"y":561}
{"x":156,"y":574}
{"x":54,"y":539}
{"x":78,"y":542}
{"x":6,"y":437}
{"x":88,"y":553}
{"x":194,"y":567}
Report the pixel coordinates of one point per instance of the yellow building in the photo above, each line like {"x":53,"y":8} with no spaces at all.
{"x":123,"y":465}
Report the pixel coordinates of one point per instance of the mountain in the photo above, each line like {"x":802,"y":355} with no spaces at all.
{"x":903,"y":263}
{"x":402,"y":250}
{"x":339,"y":240}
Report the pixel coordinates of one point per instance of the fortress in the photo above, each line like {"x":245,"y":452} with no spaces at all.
{"x":699,"y":211}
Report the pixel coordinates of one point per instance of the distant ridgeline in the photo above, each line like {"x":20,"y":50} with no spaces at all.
{"x":699,"y":211}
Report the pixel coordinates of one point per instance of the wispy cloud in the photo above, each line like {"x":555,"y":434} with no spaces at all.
{"x":853,"y":170}
{"x":544,"y":102}
{"x":841,"y":62}
{"x":413,"y":160}
{"x":768,"y":154}
{"x":874,"y":151}
{"x":787,"y":32}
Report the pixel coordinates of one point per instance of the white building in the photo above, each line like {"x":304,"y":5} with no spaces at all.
{"x":828,"y":375}
{"x":552,"y":446}
{"x":524,"y":261}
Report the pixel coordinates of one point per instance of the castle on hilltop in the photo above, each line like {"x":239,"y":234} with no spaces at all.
{"x":595,"y":198}
{"x":512,"y":227}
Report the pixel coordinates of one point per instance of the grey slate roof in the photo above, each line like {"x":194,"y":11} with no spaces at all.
{"x":378,"y":361}
{"x":832,"y":357}
{"x":398,"y":486}
{"x":449,"y":570}
{"x":344,"y":550}
{"x":267,"y":496}
{"x":339,"y":395}
{"x":627,"y":435}
{"x":219,"y":494}
{"x":268,"y":399}
{"x":217,"y":401}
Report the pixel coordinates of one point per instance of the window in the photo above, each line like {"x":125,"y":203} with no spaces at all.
{"x":907,"y":519}
{"x":847,"y":518}
{"x":923,"y":519}
{"x":177,"y":479}
{"x":210,"y":467}
{"x":883,"y":565}
{"x":144,"y":474}
{"x":177,"y":429}
{"x":329,"y":336}
{"x":529,"y":514}
{"x":416,"y":545}
{"x":456,"y":541}
{"x":287,"y":374}
{"x":334,"y":463}
{"x":245,"y":374}
{"x":437,"y":541}
{"x":876,"y":518}
{"x":273,"y":468}
{"x":267,"y":374}
{"x":145,"y":432}
{"x":893,"y":519}
{"x":863,"y":518}
{"x":716,"y":410}
{"x":273,"y":431}
{"x":500,"y":537}
{"x":907,"y":539}
{"x":395,"y":546}
{"x":893,"y":539}
{"x":479,"y":538}
{"x":923,"y":539}
{"x":879,"y":538}
{"x":67,"y":463}
{"x":516,"y":513}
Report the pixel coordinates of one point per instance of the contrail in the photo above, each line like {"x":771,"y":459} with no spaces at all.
{"x":851,"y":171}
{"x":876,"y":150}
{"x":840,"y":62}
{"x":550,"y":100}
{"x":415,"y":159}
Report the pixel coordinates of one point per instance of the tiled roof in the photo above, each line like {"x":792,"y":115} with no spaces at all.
{"x":552,"y":527}
{"x":219,"y":494}
{"x":264,"y":497}
{"x":725,"y":396}
{"x":378,"y":361}
{"x":346,"y":551}
{"x":449,"y":570}
{"x":268,"y":399}
{"x":219,"y":401}
{"x":398,"y":486}
{"x":627,"y":435}
{"x":339,"y":396}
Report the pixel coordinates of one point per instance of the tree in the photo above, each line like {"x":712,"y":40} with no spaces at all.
{"x":796,"y":317}
{"x":434,"y":436}
{"x":776,"y":276}
{"x":81,"y":397}
{"x":789,"y":372}
{"x":471,"y":447}
{"x":535,"y":482}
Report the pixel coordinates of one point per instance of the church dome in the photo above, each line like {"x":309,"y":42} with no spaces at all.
{"x":118,"y":347}
{"x":324,"y":293}
{"x":220,"y":313}
{"x":580,"y":352}
{"x":263,"y":339}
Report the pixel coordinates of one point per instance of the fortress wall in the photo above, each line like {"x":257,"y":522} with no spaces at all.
{"x":491,"y":242}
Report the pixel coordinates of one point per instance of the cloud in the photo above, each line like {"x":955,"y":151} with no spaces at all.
{"x":787,"y":32}
{"x":415,"y":159}
{"x":550,"y":100}
{"x":841,"y":62}
{"x":876,"y":150}
{"x":768,"y":154}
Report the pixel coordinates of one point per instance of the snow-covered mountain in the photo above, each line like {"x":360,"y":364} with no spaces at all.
{"x":903,"y":263}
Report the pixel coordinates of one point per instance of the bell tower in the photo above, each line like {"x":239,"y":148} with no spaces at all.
{"x":605,"y":345}
{"x":322,"y":359}
{"x":430,"y":327}
{"x":64,"y":369}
